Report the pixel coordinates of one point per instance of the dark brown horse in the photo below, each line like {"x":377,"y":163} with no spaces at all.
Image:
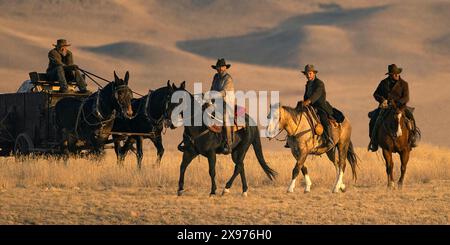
{"x":392,"y":135}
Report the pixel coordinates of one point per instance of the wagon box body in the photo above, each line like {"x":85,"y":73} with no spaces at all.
{"x":27,"y":122}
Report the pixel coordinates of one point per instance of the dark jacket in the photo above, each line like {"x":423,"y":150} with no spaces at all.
{"x":315,"y":92}
{"x":56,"y":59}
{"x":389,"y":89}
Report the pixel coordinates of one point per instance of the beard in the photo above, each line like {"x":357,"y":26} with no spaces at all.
{"x":63,"y":52}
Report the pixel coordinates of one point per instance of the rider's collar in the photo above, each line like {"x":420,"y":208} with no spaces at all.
{"x":222,"y":75}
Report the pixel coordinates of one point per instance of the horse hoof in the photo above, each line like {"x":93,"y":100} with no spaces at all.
{"x":290,"y":191}
{"x":225,"y":191}
{"x":342,"y":188}
{"x":307,"y":191}
{"x":180,"y":192}
{"x":212,"y":195}
{"x":391,"y":186}
{"x":335,"y":190}
{"x":244,"y":194}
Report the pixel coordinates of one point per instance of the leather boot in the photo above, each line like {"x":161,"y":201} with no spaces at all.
{"x":228,"y":141}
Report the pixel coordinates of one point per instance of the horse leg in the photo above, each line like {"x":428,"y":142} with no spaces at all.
{"x":237,"y":171}
{"x":123,"y":151}
{"x":404,"y":157}
{"x":301,"y":158}
{"x":244,"y":182}
{"x":238,"y":156}
{"x":389,"y":167}
{"x":212,"y":172}
{"x":340,"y":168}
{"x":139,"y":152}
{"x":187,"y":159}
{"x":308,"y":182}
{"x":159,"y":147}
{"x":117,"y":150}
{"x":65,"y":148}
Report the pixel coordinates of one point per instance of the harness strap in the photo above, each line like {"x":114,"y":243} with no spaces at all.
{"x":192,"y":139}
{"x":78,"y":117}
{"x":96,"y":108}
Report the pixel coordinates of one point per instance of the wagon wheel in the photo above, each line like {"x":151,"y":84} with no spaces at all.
{"x":23,"y":145}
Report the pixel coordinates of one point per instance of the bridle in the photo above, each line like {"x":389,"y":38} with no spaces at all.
{"x":281,"y":130}
{"x":164,"y":116}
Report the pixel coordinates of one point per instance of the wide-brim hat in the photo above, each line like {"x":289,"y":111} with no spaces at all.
{"x":393,"y":69}
{"x":61,"y":43}
{"x":309,"y":68}
{"x":221,"y":62}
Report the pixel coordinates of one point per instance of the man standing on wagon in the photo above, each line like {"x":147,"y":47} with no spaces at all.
{"x":61,"y":67}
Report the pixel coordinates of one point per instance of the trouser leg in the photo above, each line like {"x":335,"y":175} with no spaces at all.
{"x":413,"y":130}
{"x":58,"y":74}
{"x":228,"y":130}
{"x":80,"y":81}
{"x":373,"y":119}
{"x":229,"y":134}
{"x":75,"y":75}
{"x":373,"y":145}
{"x":326,"y":125}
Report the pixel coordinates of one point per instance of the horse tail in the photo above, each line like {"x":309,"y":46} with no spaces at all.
{"x":259,"y":155}
{"x":353,"y":159}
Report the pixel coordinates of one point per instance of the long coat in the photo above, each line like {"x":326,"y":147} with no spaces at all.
{"x":56,"y":59}
{"x":315,"y":92}
{"x":388,"y":89}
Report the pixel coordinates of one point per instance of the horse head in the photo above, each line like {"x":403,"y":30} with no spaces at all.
{"x":274,"y":118}
{"x":395,"y":119}
{"x":121,"y":95}
{"x":180,"y":92}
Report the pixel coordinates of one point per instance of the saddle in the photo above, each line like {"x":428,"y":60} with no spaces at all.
{"x":334,"y":120}
{"x":217,"y":125}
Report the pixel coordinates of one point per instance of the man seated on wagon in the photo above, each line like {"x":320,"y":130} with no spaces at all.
{"x":62,"y":68}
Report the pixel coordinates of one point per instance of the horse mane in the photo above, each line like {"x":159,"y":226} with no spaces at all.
{"x":292,"y":111}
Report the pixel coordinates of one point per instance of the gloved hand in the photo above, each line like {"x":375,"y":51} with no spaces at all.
{"x":306,"y":102}
{"x":384,"y":104}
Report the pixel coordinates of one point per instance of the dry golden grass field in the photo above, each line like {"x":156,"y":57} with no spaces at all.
{"x":45,"y":191}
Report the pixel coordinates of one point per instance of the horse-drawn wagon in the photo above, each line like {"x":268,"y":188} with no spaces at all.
{"x":27,"y":118}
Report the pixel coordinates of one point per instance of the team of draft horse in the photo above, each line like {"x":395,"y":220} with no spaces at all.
{"x":313,"y":127}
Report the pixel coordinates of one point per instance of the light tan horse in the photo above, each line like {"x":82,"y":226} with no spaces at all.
{"x":303,"y":142}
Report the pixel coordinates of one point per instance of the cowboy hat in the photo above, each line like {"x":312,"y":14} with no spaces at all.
{"x":61,"y":43}
{"x":219,"y":63}
{"x":309,"y":68}
{"x":393,"y":69}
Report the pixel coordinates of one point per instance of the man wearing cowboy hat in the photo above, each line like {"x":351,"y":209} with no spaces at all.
{"x":392,"y":89}
{"x":61,"y":67}
{"x":223,"y":83}
{"x":316,"y":96}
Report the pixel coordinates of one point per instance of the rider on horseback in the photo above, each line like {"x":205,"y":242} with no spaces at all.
{"x":391,"y":90}
{"x":315,"y":95}
{"x":223,"y":83}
